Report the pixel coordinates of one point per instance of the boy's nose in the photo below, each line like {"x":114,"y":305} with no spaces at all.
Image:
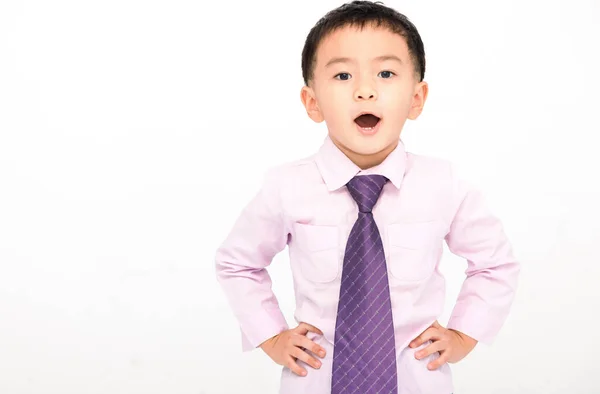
{"x":365,"y":93}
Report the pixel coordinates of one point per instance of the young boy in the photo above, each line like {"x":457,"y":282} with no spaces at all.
{"x":364,"y":222}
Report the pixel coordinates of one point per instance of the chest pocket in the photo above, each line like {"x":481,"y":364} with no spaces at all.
{"x":319,"y":257}
{"x":412,"y":250}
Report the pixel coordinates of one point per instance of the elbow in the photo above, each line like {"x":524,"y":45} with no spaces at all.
{"x":230,"y":266}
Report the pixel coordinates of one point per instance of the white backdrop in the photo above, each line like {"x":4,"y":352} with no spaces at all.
{"x":133,"y":132}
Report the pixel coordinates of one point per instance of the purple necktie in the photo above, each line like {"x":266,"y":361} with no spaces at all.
{"x":364,"y":353}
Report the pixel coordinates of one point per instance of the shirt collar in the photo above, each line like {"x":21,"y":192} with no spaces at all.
{"x":337,"y":169}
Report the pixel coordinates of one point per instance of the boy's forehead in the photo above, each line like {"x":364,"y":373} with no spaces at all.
{"x":361,"y":42}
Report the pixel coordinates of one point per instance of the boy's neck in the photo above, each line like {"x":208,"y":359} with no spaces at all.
{"x":365,"y":162}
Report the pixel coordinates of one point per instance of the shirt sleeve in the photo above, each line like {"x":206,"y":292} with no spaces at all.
{"x":489,"y":288}
{"x":258,"y":234}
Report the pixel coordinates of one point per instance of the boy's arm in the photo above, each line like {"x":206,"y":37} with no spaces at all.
{"x":257,"y":236}
{"x":488,"y":291}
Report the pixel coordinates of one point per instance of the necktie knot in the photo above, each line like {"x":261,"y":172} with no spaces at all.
{"x":365,"y":189}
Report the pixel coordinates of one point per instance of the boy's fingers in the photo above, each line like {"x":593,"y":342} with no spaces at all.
{"x":430,"y":333}
{"x":303,"y":328}
{"x":436,"y":346}
{"x":301,"y":355}
{"x":439,"y":361}
{"x":295,"y":368}
{"x":306,"y":343}
{"x":419,"y":339}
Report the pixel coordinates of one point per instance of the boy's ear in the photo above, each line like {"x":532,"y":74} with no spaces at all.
{"x":307,"y":95}
{"x":418,"y":102}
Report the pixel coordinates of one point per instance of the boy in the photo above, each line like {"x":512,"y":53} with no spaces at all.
{"x":364,"y":222}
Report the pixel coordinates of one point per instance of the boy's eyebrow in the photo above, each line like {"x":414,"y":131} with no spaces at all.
{"x":338,"y":60}
{"x":348,"y":60}
{"x":388,"y":57}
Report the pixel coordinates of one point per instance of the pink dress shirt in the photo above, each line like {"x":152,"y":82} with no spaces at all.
{"x":305,"y":206}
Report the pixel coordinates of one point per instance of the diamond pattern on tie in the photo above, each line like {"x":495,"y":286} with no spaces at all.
{"x":364,"y":354}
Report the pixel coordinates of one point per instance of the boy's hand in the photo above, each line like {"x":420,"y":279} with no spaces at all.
{"x":290,"y":345}
{"x":452,"y":345}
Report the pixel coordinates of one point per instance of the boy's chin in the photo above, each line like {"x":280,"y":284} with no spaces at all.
{"x":366,"y":147}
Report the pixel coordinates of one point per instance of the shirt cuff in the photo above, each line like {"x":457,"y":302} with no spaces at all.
{"x":480,"y":323}
{"x":260,"y":326}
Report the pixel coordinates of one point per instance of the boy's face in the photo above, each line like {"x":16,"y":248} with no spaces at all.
{"x":364,"y":71}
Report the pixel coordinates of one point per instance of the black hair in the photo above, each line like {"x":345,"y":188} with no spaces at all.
{"x":359,"y":14}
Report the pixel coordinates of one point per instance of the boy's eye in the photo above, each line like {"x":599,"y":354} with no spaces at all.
{"x":343,"y":76}
{"x":386,"y":74}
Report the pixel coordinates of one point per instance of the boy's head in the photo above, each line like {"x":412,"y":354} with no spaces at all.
{"x":364,"y":57}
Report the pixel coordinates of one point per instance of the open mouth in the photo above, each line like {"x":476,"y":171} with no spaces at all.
{"x":367,"y":123}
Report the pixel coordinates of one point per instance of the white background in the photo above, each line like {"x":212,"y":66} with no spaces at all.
{"x":133,"y":132}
